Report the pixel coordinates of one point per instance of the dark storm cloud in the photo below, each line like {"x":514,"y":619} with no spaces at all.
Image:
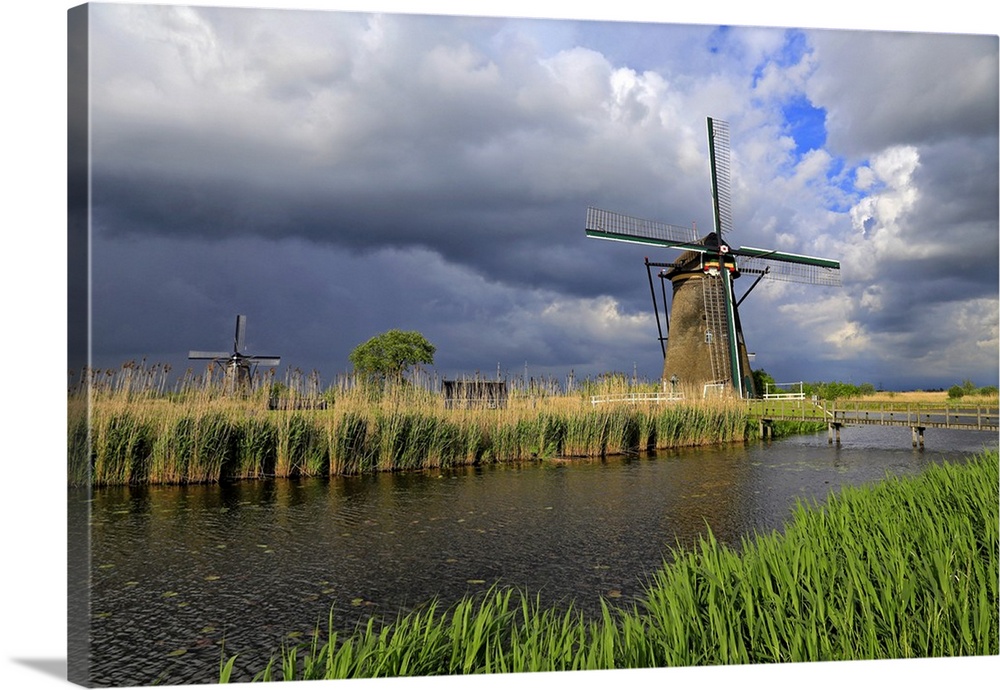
{"x":313,"y":305}
{"x":963,"y":176}
{"x":884,"y":88}
{"x":428,"y":141}
{"x":519,"y":243}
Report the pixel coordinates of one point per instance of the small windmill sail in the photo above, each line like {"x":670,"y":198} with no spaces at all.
{"x":239,"y":365}
{"x":705,"y":343}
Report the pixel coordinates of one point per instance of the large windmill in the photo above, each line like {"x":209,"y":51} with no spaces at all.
{"x":239,"y":366}
{"x":704,"y":341}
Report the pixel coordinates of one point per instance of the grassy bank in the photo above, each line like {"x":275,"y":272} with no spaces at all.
{"x":904,"y":568}
{"x":141,"y":436}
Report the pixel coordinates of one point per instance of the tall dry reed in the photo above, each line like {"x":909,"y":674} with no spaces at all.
{"x":199,"y":432}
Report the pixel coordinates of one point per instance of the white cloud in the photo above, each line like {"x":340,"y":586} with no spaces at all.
{"x":820,"y":325}
{"x":579,"y":78}
{"x":864,"y":178}
{"x":880,"y":217}
{"x":599,"y":319}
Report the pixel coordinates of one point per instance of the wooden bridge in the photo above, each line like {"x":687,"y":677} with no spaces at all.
{"x":837,"y":414}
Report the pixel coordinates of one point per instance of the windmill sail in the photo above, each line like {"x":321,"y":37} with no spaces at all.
{"x":241,"y":331}
{"x":718,"y":155}
{"x":608,"y":225}
{"x":722,"y":206}
{"x":199,"y":354}
{"x":794,"y":268}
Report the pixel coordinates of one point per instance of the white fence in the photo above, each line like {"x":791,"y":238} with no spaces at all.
{"x":784,"y":391}
{"x":636,"y":398}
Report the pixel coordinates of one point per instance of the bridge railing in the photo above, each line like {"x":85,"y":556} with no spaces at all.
{"x":979,"y":417}
{"x":848,"y":412}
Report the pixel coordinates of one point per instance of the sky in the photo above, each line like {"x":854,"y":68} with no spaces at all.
{"x":336,"y":174}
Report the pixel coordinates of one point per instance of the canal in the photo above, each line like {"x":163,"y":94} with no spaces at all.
{"x":178,"y":572}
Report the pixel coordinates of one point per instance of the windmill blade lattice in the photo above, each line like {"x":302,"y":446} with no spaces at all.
{"x":791,"y":268}
{"x":609,"y":225}
{"x":718,"y":139}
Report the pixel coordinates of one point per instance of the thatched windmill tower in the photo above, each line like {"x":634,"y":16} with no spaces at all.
{"x":704,"y":345}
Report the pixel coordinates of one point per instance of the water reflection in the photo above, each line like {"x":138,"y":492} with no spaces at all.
{"x":177,"y":570}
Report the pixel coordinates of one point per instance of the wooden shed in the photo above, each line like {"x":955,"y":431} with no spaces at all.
{"x":467,"y":394}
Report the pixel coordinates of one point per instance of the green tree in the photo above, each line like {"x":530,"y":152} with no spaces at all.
{"x":832,"y":390}
{"x":760,"y":380}
{"x":390,"y":355}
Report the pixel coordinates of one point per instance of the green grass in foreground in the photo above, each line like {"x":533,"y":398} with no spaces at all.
{"x":904,"y":568}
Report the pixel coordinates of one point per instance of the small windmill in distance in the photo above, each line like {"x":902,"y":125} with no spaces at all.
{"x":706,"y":346}
{"x":240,"y":366}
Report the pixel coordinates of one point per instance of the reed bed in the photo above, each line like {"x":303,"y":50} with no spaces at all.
{"x":904,"y":568}
{"x":201,"y":433}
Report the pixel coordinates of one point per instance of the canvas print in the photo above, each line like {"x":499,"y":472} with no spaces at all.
{"x":411,"y":345}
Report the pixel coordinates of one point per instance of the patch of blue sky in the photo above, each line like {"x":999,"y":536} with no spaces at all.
{"x":805,"y":123}
{"x":844,"y":193}
{"x":795,"y":47}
